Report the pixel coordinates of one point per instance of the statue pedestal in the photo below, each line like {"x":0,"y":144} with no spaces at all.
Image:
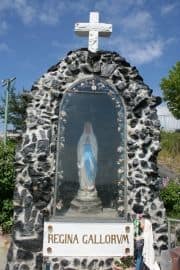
{"x":86,"y":202}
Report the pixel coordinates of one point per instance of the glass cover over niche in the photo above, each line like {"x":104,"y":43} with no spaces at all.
{"x":90,"y":168}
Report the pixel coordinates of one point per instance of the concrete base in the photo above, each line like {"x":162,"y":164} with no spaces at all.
{"x":102,"y":216}
{"x":86,"y":202}
{"x":165,"y":260}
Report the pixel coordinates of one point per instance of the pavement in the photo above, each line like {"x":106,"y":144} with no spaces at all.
{"x":166,"y":172}
{"x":165,"y":260}
{"x":4,"y":245}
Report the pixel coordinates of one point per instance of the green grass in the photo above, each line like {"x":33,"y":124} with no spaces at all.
{"x":170,"y":153}
{"x":170,"y":157}
{"x":170,"y":141}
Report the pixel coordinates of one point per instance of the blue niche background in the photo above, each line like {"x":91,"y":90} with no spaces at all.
{"x":79,"y":106}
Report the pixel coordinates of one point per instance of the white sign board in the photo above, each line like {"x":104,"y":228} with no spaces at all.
{"x":88,"y":239}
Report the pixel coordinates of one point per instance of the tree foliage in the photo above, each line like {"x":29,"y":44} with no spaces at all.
{"x":16,"y":108}
{"x":171,"y":90}
{"x":6,"y":184}
{"x":171,"y":198}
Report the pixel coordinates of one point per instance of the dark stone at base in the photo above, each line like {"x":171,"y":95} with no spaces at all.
{"x":39,"y":261}
{"x":24,"y":255}
{"x":64,"y":262}
{"x":163,"y":247}
{"x":92,"y":264}
{"x":109,"y":261}
{"x":24,"y":267}
{"x":16,"y":267}
{"x":7,"y":267}
{"x":76,"y":262}
{"x":101,"y":263}
{"x":55,"y":260}
{"x":10,"y":253}
{"x":84,"y":263}
{"x":34,"y":245}
{"x":56,"y":266}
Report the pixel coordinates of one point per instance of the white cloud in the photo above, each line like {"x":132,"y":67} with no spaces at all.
{"x":5,"y":4}
{"x":51,"y":12}
{"x":139,"y":41}
{"x":116,"y":9}
{"x":138,"y":20}
{"x":138,"y":52}
{"x":117,"y":6}
{"x":4,"y":47}
{"x":79,"y":7}
{"x":168,"y":8}
{"x":49,"y":17}
{"x":47,"y":12}
{"x":140,"y":23}
{"x":170,"y":40}
{"x":3,"y":27}
{"x":138,"y":38}
{"x":25,"y":11}
{"x":145,"y":53}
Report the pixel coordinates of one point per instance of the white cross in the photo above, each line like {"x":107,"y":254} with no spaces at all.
{"x":93,"y":29}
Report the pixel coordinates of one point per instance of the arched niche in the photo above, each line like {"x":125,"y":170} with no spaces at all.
{"x":91,"y":100}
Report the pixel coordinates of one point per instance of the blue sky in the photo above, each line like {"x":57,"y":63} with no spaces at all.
{"x":35,"y":34}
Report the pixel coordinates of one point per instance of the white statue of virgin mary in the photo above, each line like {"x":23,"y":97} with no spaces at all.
{"x":87,"y":158}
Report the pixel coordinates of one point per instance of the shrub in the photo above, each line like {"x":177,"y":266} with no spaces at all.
{"x":171,"y":198}
{"x":6,"y":219}
{"x":6,"y":184}
{"x":124,"y":262}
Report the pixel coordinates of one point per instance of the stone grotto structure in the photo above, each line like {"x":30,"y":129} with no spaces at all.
{"x":38,"y":173}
